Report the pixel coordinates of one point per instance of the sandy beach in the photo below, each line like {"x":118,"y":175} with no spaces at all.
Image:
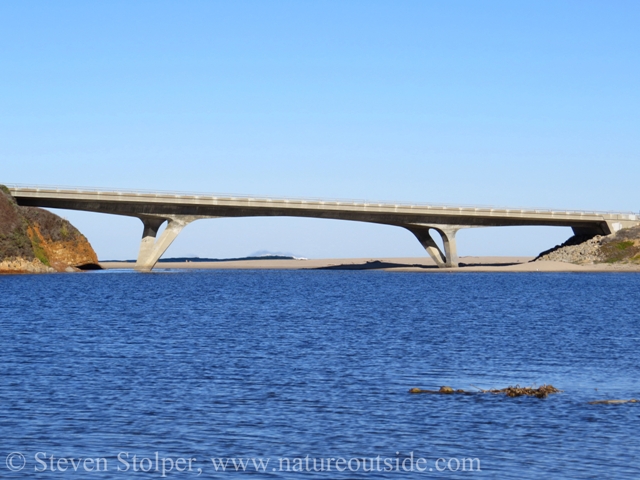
{"x":416,"y":264}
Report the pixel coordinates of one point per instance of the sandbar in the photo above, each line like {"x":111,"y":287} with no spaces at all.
{"x":411,"y":264}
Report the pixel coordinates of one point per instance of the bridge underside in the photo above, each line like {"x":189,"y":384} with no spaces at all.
{"x":153,"y":247}
{"x":422,"y":224}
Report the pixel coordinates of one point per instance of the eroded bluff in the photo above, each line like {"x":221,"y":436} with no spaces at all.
{"x":33,"y":240}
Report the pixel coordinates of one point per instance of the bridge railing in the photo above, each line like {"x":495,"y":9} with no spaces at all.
{"x":627,"y":215}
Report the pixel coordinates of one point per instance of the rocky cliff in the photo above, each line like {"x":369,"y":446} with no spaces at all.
{"x":621,"y":247}
{"x":35,"y":240}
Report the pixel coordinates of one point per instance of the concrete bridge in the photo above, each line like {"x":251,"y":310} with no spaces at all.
{"x":178,"y":210}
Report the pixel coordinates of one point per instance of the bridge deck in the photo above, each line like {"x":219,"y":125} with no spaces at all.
{"x":145,"y":203}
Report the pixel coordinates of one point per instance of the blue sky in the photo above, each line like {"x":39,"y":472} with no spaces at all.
{"x":490,"y":103}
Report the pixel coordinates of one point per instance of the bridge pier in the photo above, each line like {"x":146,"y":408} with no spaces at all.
{"x":151,"y":249}
{"x":446,"y":259}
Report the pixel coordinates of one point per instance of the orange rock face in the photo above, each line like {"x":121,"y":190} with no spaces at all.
{"x":72,"y":252}
{"x":33,"y":240}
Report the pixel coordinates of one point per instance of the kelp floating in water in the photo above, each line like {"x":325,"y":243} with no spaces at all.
{"x":511,"y":391}
{"x":612,"y":402}
{"x":443,"y":390}
{"x":517,"y":391}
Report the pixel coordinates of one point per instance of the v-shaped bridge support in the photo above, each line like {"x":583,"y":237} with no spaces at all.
{"x":446,"y":259}
{"x":151,"y":249}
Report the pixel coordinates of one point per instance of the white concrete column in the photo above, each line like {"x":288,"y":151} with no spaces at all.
{"x":446,"y":259}
{"x":448,"y":235}
{"x":151,"y":249}
{"x":149,"y":233}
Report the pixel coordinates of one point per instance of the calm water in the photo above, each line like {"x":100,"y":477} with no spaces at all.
{"x":277,"y":364}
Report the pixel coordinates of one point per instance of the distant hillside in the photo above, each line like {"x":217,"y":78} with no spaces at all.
{"x":621,"y":247}
{"x":36,"y":240}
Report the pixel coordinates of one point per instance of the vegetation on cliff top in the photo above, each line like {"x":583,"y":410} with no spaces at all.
{"x":624,"y":246}
{"x":14,"y":240}
{"x":33,"y":233}
{"x":620,"y":247}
